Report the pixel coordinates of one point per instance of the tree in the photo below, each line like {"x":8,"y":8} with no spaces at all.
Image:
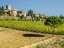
{"x":37,"y":18}
{"x":1,"y":10}
{"x":44,"y":17}
{"x":18,"y":15}
{"x":9,"y":13}
{"x":34,"y":15}
{"x":30,"y":13}
{"x":53,"y":21}
{"x":22,"y":16}
{"x":61,"y":16}
{"x":40,"y":15}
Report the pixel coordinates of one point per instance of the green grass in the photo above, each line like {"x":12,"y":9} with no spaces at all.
{"x":32,"y":26}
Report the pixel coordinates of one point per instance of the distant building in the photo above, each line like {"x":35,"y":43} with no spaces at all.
{"x":21,"y":12}
{"x":28,"y":17}
{"x":8,"y":7}
{"x":14,"y":12}
{"x":37,"y":14}
{"x":40,"y":14}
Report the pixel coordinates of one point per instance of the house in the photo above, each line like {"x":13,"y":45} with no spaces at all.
{"x":14,"y":12}
{"x":42,"y":15}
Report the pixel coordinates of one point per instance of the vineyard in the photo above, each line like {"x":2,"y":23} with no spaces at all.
{"x":22,"y":33}
{"x":32,"y":26}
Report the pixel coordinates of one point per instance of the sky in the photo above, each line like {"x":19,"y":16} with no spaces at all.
{"x":48,"y":7}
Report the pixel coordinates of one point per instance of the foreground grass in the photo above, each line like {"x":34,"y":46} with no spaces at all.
{"x":10,"y":38}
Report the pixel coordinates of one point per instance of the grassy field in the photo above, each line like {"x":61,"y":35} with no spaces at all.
{"x":32,"y":26}
{"x":10,"y":38}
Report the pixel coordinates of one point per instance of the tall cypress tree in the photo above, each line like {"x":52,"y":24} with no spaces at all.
{"x":2,"y":10}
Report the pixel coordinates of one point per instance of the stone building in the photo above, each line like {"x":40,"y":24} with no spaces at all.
{"x":42,"y":15}
{"x":8,"y":7}
{"x":21,"y":12}
{"x":14,"y":12}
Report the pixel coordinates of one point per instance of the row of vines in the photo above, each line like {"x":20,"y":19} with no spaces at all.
{"x":32,"y":26}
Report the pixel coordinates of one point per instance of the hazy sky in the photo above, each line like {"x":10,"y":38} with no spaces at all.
{"x":48,"y":7}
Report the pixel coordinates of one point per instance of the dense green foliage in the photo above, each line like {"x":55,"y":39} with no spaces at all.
{"x":1,"y":10}
{"x":31,"y":26}
{"x":10,"y":13}
{"x":53,"y":21}
{"x":30,"y":13}
{"x":22,"y":16}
